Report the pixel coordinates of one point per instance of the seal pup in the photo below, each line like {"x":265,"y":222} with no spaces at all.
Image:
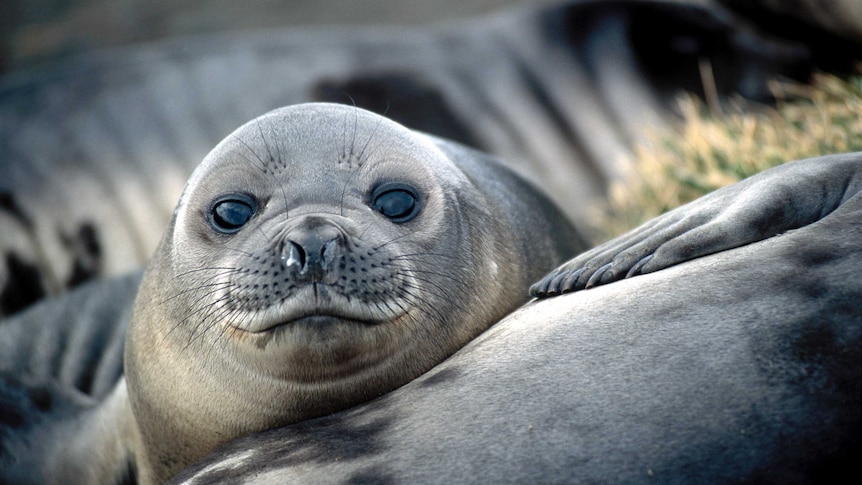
{"x":320,"y":256}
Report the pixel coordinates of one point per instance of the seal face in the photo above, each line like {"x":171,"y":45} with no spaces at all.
{"x":319,"y":257}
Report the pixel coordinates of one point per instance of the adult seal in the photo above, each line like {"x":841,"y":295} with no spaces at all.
{"x":319,"y":257}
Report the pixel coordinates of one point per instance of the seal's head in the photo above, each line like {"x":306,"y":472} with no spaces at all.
{"x":320,"y":256}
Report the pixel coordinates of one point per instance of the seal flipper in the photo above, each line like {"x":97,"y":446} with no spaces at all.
{"x":765,"y":205}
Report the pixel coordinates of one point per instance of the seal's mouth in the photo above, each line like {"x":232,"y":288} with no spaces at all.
{"x":314,"y":321}
{"x":312,"y":317}
{"x":316,"y":311}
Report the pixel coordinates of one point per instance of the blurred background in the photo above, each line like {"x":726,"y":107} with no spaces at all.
{"x":35,"y":31}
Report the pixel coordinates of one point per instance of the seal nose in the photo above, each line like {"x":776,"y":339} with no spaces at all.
{"x":309,"y":251}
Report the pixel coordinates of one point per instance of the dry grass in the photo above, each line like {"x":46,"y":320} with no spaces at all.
{"x":716,"y":148}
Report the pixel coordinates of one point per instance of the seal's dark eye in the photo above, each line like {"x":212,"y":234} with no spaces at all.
{"x":231,"y":212}
{"x":396,"y":201}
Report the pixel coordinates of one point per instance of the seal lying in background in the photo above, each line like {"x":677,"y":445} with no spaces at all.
{"x":744,"y":365}
{"x":94,"y":151}
{"x":319,"y":257}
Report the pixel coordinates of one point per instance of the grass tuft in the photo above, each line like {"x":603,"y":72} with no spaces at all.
{"x":717,"y":147}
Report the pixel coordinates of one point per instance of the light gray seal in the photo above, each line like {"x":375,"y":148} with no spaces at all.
{"x":744,"y":364}
{"x":319,"y":257}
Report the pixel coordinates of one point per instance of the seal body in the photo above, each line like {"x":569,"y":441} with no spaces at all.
{"x":744,"y":364}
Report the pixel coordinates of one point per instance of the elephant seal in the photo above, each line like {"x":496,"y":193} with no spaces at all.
{"x":741,"y":365}
{"x":319,"y":257}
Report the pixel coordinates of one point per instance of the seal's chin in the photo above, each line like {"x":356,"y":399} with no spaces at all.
{"x":317,"y":348}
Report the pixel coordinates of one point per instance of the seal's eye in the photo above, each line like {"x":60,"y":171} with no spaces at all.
{"x":228,"y":214}
{"x":396,"y":201}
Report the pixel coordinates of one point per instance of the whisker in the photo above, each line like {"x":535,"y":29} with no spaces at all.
{"x":262,"y":165}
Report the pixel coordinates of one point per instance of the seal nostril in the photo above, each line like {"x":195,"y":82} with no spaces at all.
{"x":294,"y":257}
{"x":326,"y":252}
